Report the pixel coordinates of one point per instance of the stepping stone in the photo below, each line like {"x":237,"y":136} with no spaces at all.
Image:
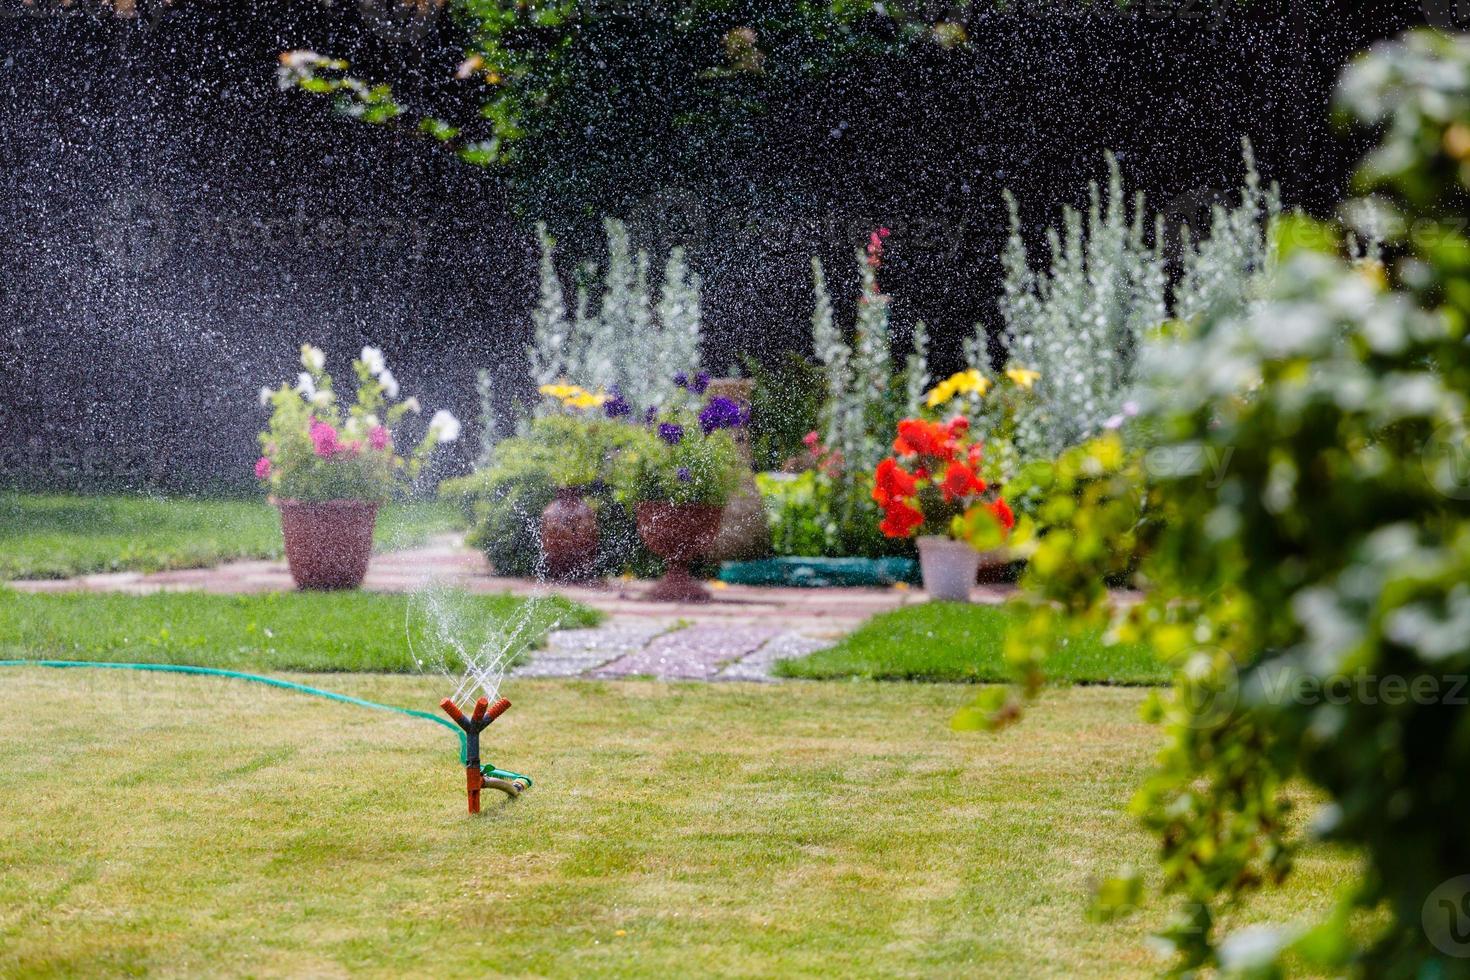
{"x":572,"y":652}
{"x":696,"y":653}
{"x":758,"y":666}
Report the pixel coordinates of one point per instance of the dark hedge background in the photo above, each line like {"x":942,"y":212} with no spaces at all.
{"x":175,"y":226}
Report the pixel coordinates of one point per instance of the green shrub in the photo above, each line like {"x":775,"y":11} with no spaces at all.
{"x":503,"y":502}
{"x":798,"y":506}
{"x":1308,"y":549}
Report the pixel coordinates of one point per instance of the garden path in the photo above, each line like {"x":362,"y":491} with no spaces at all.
{"x":740,"y":635}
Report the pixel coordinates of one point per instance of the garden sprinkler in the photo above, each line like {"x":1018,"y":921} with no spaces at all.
{"x":477,"y":777}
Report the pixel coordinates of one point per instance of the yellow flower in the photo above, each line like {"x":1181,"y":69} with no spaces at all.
{"x":585,"y":399}
{"x":573,"y":396}
{"x":1024,"y":377}
{"x":965,"y":382}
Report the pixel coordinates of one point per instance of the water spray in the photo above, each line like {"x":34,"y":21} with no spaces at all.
{"x":477,"y":777}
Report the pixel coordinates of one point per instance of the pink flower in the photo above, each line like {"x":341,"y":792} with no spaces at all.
{"x":262,"y":468}
{"x":379,"y":438}
{"x":324,"y":440}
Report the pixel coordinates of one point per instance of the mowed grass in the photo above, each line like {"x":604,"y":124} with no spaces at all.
{"x":183,"y":826}
{"x":946,"y":641}
{"x":60,"y":535}
{"x":333,"y":631}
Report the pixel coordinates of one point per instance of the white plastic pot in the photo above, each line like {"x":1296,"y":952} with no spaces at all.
{"x":949,"y":567}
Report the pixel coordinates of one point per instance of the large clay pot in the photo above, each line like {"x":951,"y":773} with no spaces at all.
{"x":569,"y":535}
{"x":679,"y":534}
{"x":328,"y":544}
{"x":950,"y":567}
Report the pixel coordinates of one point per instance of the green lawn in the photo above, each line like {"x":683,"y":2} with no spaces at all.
{"x":333,"y":631}
{"x":60,"y":535}
{"x":943,"y":641}
{"x":189,"y":826}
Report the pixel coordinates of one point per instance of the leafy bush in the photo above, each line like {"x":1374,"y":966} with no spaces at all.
{"x":1081,"y":323}
{"x":1308,"y":546}
{"x":785,"y":407}
{"x":798,"y":507}
{"x":628,"y":344}
{"x":503,"y":502}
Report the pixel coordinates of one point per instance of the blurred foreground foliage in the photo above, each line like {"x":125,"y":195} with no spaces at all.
{"x":1300,"y":493}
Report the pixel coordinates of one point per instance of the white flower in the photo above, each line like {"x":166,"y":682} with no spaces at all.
{"x":305,"y":385}
{"x":312,"y":358}
{"x":444,"y":427}
{"x":389,"y":383}
{"x":373,"y":358}
{"x":411,"y":404}
{"x":321,"y":399}
{"x":265,"y":396}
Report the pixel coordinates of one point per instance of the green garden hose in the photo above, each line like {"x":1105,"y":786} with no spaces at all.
{"x":258,"y":679}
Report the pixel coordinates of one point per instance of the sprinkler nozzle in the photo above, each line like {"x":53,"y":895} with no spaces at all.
{"x":452,"y":710}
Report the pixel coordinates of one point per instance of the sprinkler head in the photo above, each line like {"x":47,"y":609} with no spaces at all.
{"x":476,"y":723}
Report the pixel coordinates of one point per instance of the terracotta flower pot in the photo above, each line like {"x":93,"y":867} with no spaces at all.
{"x":679,"y":534}
{"x":328,"y":544}
{"x":950,"y":567}
{"x":569,"y":535}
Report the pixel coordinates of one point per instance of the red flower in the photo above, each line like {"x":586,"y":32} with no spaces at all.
{"x":1002,"y":512}
{"x":901,"y":520}
{"x":960,"y":481}
{"x":919,"y":438}
{"x":958,"y":426}
{"x":892,"y":482}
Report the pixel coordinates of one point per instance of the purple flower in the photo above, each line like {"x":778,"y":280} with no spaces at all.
{"x":671,"y":433}
{"x":681,"y":380}
{"x":701,"y":382}
{"x":617,"y":406}
{"x":683,"y":475}
{"x":721,"y":413}
{"x":650,"y":416}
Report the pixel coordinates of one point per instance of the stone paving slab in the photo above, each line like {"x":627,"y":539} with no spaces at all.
{"x":695,"y":653}
{"x":570,"y":653}
{"x":761,"y":664}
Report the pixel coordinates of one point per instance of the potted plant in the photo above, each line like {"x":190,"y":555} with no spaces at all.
{"x":931,"y":487}
{"x":328,"y":468}
{"x":677,"y":478}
